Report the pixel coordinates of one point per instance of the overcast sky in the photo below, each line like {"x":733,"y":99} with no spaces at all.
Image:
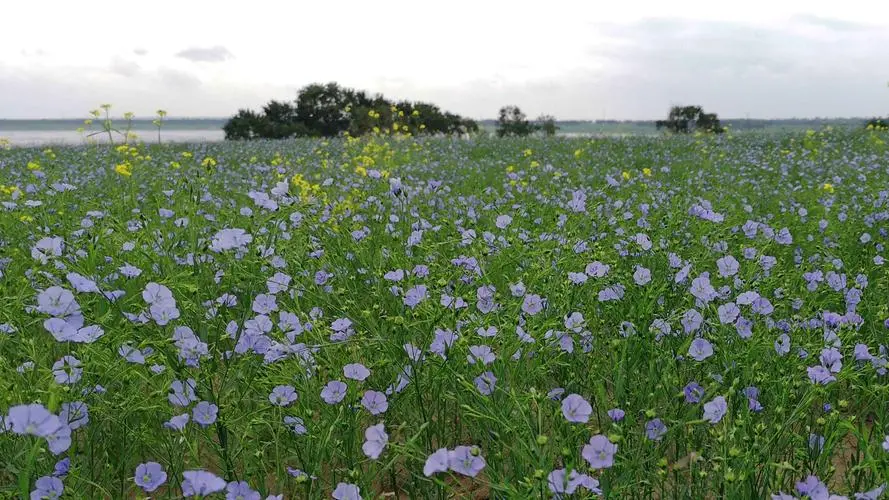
{"x":580,"y":59}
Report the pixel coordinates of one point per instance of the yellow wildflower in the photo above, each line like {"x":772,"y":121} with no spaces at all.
{"x":124,"y":169}
{"x":827,"y":187}
{"x":625,"y":175}
{"x":646,"y":172}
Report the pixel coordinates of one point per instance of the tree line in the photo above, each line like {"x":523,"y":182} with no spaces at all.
{"x":329,"y":110}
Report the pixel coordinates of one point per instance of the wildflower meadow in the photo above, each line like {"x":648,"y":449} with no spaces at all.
{"x":402,"y":317}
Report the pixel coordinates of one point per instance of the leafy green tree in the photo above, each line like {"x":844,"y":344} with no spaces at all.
{"x":329,"y":110}
{"x":686,"y":119}
{"x":547,"y":125}
{"x":245,"y":125}
{"x":512,"y":121}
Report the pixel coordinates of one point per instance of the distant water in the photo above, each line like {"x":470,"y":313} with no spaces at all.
{"x":71,"y":137}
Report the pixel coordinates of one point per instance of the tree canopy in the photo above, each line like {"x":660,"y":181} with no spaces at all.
{"x":329,"y":110}
{"x":513,"y":122}
{"x":687,"y":119}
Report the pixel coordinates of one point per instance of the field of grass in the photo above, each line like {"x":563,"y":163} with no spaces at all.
{"x":647,"y":317}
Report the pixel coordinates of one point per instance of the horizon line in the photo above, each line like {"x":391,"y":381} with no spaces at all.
{"x":591,"y":120}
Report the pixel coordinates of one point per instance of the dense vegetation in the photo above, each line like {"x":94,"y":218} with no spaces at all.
{"x":329,"y":110}
{"x":687,"y":119}
{"x":673,"y":317}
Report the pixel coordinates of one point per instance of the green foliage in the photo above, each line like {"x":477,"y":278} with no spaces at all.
{"x":513,"y":122}
{"x":547,"y":125}
{"x":329,"y":110}
{"x":687,"y":119}
{"x":879,"y":124}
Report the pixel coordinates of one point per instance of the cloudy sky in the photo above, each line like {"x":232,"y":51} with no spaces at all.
{"x":584,"y":59}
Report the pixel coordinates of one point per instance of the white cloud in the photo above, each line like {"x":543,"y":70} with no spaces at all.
{"x":214,"y":54}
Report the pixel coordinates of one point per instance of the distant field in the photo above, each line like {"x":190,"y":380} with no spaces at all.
{"x":42,"y":132}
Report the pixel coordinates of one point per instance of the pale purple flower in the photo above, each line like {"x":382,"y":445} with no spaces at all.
{"x":295,"y":424}
{"x":480,"y":354}
{"x":396,"y":275}
{"x":599,"y":453}
{"x":47,"y":487}
{"x":832,"y":359}
{"x":443,"y":340}
{"x":611,"y":293}
{"x":177,"y":423}
{"x":702,"y":289}
{"x":728,"y":266}
{"x":597,"y":269}
{"x":485,"y":383}
{"x":204,"y":413}
{"x":700,"y":349}
{"x":747,"y":298}
{"x":577,"y":278}
{"x":532,"y":304}
{"x":374,"y":402}
{"x":576,"y":409}
{"x":813,"y":488}
{"x":240,"y":490}
{"x":655,"y":429}
{"x":157,"y":294}
{"x":436,"y":462}
{"x":873,"y":494}
{"x":693,"y":392}
{"x":466,"y":460}
{"x":149,"y":476}
{"x":691,"y":321}
{"x":616,"y":414}
{"x":375,"y":440}
{"x":762,"y":306}
{"x":415,"y":295}
{"x":715,"y":410}
{"x":74,"y":414}
{"x":283,"y":395}
{"x":228,"y":239}
{"x":334,"y":392}
{"x":346,"y":491}
{"x":59,"y":441}
{"x":33,"y":419}
{"x":265,"y":304}
{"x":490,"y":331}
{"x":728,"y":312}
{"x":356,"y":371}
{"x":560,"y":483}
{"x":820,"y":375}
{"x":642,"y":276}
{"x":784,"y":237}
{"x":57,"y":301}
{"x":413,"y":352}
{"x":278,"y":283}
{"x":744,"y":327}
{"x":199,"y":483}
{"x":782,"y":345}
{"x":67,"y":370}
